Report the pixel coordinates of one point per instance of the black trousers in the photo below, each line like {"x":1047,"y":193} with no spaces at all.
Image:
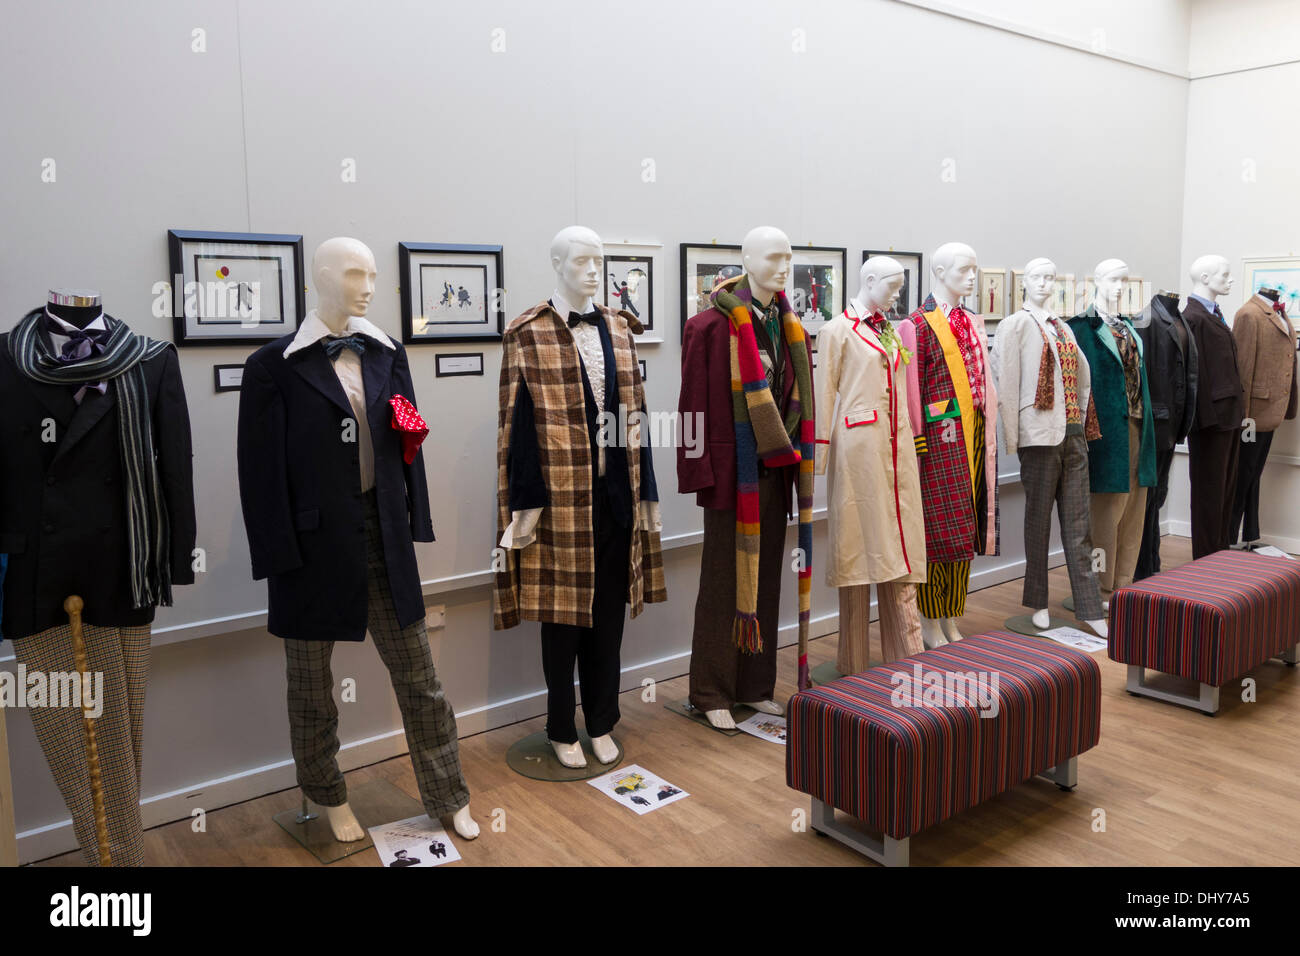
{"x":1149,"y":554}
{"x":595,"y":649}
{"x":1213,"y":468}
{"x":1245,"y":503}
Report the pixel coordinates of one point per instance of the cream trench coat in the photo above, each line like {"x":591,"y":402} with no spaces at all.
{"x":877,"y":528}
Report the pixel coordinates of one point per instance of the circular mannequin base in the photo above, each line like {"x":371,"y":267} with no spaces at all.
{"x":534,"y":757}
{"x":825,"y":673}
{"x":1024,"y":624}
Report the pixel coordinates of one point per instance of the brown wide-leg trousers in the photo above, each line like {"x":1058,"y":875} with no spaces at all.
{"x":1117,"y":521}
{"x":900,"y":625}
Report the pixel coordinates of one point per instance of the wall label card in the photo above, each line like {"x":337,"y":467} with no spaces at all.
{"x":458,"y":363}
{"x":227,"y":378}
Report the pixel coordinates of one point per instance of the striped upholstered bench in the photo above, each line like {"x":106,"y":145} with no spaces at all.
{"x":908,"y":744}
{"x":1209,"y":621}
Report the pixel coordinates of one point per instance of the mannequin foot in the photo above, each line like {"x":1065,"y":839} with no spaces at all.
{"x":464,"y":824}
{"x":721,"y":719}
{"x":766,"y":707}
{"x":1100,"y":627}
{"x":931,"y":633}
{"x":570,"y":755}
{"x":1041,"y":618}
{"x":949,"y":626}
{"x":604,"y":748}
{"x":343,"y":823}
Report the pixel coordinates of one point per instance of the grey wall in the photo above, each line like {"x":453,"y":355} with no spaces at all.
{"x":843,"y":144}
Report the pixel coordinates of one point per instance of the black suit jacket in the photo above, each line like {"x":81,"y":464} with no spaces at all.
{"x":1220,"y":400}
{"x":1171,"y":370}
{"x":63,"y":503}
{"x":300,"y":487}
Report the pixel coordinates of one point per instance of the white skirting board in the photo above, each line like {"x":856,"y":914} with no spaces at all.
{"x":209,"y":795}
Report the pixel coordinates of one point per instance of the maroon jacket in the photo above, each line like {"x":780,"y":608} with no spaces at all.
{"x":706,"y":392}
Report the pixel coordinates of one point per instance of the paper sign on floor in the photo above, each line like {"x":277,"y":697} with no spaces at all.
{"x":638,"y":789}
{"x":1073,"y":637}
{"x":418,"y":841}
{"x":766,"y":726}
{"x":1271,"y":552}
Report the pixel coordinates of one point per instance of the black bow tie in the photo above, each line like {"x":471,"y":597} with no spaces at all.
{"x":591,"y":318}
{"x":356,"y":342}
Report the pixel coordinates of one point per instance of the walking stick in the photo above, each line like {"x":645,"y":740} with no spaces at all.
{"x":73,"y":606}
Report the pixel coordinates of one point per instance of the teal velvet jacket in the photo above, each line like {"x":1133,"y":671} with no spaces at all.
{"x":1108,"y":455}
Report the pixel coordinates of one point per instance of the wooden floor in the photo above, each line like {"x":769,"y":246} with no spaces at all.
{"x":1176,"y":787}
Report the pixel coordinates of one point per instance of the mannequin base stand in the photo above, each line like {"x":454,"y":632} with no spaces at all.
{"x":739,"y":712}
{"x":825,"y":673}
{"x":1024,"y":624}
{"x":534,"y":757}
{"x":374,"y":803}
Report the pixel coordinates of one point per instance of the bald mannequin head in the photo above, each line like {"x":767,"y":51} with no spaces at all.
{"x":767,"y":255}
{"x":879,"y":281}
{"x":1211,"y":277}
{"x":1040,"y":281}
{"x":1109,"y":278}
{"x":955,"y":271}
{"x":578,"y":258}
{"x":343,"y":271}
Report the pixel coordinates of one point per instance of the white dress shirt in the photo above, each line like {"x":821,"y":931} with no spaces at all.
{"x":347,"y":367}
{"x":58,"y":341}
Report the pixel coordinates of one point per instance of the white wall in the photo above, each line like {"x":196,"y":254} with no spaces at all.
{"x":844,"y":144}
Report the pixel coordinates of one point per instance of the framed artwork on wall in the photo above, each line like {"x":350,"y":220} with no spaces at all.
{"x":991,"y":292}
{"x":816,"y":284}
{"x":1017,"y":291}
{"x":235,"y":288}
{"x":910,"y":296}
{"x":1060,"y":304}
{"x":1280,"y":273}
{"x":703,"y":267}
{"x":633,"y":280}
{"x":451,"y":293}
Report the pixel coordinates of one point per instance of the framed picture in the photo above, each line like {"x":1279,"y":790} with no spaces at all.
{"x":703,"y":267}
{"x":910,"y":295}
{"x":816,"y":284}
{"x":992,"y":295}
{"x":451,"y":293}
{"x":1131,"y":297}
{"x":1063,"y":299}
{"x":633,"y":283}
{"x":1282,"y":274}
{"x":1017,"y":291}
{"x":235,"y":288}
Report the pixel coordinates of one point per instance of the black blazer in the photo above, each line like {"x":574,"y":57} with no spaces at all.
{"x":1220,"y":400}
{"x":300,"y":487}
{"x":1171,"y":370}
{"x":63,"y":504}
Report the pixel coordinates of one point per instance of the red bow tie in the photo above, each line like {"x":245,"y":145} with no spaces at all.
{"x":1279,"y":307}
{"x":408,"y":423}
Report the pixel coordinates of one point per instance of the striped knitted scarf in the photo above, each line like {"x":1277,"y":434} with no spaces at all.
{"x":763,"y":436}
{"x":149,"y":534}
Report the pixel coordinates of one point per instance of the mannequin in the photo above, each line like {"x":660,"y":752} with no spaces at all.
{"x":1266,"y":362}
{"x":1213,"y":445}
{"x":106,"y":514}
{"x":1044,"y":390}
{"x":952,"y":396}
{"x":874,"y":489}
{"x":1169,"y":352}
{"x":733,"y":648}
{"x":1121,"y":462}
{"x":550,"y":490}
{"x":331,"y":525}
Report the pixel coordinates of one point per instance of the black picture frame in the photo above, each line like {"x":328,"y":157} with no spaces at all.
{"x":291,"y":302}
{"x":647,"y":265}
{"x":685,"y":294}
{"x":490,"y":329}
{"x":641,"y":362}
{"x":905,"y":305}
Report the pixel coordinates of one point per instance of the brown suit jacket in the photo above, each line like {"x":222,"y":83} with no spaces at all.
{"x":1266,"y":361}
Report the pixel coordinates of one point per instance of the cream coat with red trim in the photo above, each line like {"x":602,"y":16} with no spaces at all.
{"x":864,"y":443}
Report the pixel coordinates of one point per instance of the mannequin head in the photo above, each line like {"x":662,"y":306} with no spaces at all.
{"x":578,"y":258}
{"x":767,"y":255}
{"x":1211,"y":277}
{"x":343,"y":271}
{"x":879,"y":282}
{"x":955,"y":271}
{"x":1040,"y":282}
{"x":1109,"y":277}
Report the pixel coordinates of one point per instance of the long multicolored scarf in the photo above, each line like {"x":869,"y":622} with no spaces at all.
{"x":763,"y":436}
{"x":149,"y":535}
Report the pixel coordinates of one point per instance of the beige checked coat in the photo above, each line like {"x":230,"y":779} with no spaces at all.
{"x":553,"y":579}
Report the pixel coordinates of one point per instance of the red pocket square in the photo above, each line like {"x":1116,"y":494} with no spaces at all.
{"x":408,"y":422}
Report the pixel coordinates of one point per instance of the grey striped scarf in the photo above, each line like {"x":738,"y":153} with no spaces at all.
{"x":148,"y":531}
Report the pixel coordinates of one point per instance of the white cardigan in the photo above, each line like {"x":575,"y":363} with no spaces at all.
{"x":1016,"y":356}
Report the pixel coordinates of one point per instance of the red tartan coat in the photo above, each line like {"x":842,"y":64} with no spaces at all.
{"x":953,"y":529}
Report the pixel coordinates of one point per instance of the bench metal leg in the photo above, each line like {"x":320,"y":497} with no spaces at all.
{"x":1207,"y":701}
{"x":1065,"y":775}
{"x":1289,"y":655}
{"x":886,"y":850}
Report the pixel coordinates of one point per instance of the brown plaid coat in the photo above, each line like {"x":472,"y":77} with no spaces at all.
{"x":553,"y":579}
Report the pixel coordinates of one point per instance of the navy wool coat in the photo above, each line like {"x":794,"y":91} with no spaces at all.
{"x":300,"y":487}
